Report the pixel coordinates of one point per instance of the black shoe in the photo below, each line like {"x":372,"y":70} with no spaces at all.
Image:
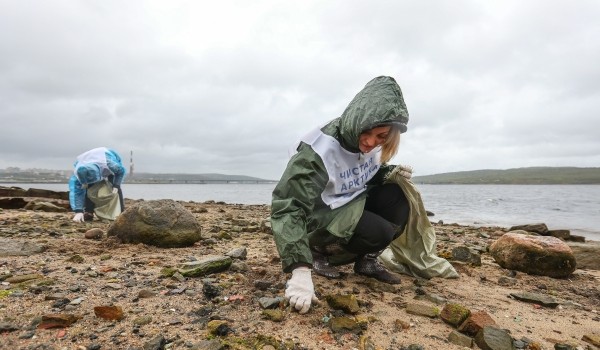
{"x":370,"y":267}
{"x":87,"y":216}
{"x":322,"y":267}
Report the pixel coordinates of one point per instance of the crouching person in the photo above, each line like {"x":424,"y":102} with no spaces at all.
{"x":95,"y":186}
{"x":331,"y":206}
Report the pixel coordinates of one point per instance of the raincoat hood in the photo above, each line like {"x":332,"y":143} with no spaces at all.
{"x":88,"y":173}
{"x":379,"y":103}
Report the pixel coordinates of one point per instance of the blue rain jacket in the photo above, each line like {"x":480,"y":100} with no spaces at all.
{"x":87,"y":173}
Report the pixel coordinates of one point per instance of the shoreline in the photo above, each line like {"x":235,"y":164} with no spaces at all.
{"x":476,"y":221}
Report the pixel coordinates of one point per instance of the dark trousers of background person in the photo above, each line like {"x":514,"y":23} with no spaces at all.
{"x":383,"y":220}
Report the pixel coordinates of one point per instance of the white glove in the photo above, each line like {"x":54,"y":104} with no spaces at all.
{"x":406,"y":171}
{"x":115,"y":190}
{"x":78,"y":217}
{"x":300,"y":290}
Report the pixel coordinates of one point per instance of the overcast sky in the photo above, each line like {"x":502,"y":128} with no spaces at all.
{"x":228,"y":86}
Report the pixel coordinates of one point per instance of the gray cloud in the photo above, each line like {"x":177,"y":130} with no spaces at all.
{"x":198,"y":88}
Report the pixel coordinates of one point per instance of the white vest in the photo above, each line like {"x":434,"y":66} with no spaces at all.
{"x":348,"y":172}
{"x":95,"y":156}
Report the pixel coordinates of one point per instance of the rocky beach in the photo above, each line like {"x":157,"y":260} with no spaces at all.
{"x":67,"y":285}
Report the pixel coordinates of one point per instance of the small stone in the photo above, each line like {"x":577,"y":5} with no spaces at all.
{"x":109,"y":312}
{"x":422,"y":310}
{"x":94,"y":233}
{"x":460,"y":339}
{"x":347,"y":303}
{"x":275,"y":315}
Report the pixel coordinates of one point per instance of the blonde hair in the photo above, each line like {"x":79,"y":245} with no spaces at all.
{"x":390,"y":146}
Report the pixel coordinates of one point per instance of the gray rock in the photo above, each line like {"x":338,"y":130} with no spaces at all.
{"x":540,"y":228}
{"x":492,"y":338}
{"x":587,"y":254}
{"x":12,"y":247}
{"x":346,"y":325}
{"x":44,"y":206}
{"x":163,"y":223}
{"x":238,"y":253}
{"x":270,"y":303}
{"x":422,"y":310}
{"x":7,"y":327}
{"x":205,"y":266}
{"x":507,"y":281}
{"x":467,"y":255}
{"x":213,"y":344}
{"x":156,"y":343}
{"x":562,"y":234}
{"x":535,"y":298}
{"x":460,"y":339}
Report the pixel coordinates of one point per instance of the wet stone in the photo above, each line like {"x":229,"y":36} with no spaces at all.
{"x":536,"y":298}
{"x":270,"y":303}
{"x":507,"y":281}
{"x":467,"y":255}
{"x":219,"y":327}
{"x":7,"y":327}
{"x":492,"y":338}
{"x":454,"y":314}
{"x":460,"y":339}
{"x":475,"y":322}
{"x":144,"y":320}
{"x":592,"y":338}
{"x":27,"y":335}
{"x":262,"y":285}
{"x":347,"y":303}
{"x":422,"y":310}
{"x":238,"y":253}
{"x":94,"y":233}
{"x":275,"y":315}
{"x":346,"y":325}
{"x":210,"y":291}
{"x":156,"y":343}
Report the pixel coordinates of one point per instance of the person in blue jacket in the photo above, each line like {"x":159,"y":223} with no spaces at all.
{"x":98,"y":166}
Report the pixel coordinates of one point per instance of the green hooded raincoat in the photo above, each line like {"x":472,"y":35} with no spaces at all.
{"x":299,"y":217}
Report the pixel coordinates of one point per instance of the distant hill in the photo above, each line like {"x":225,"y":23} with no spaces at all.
{"x":16,"y":175}
{"x":193,"y":178}
{"x":524,"y":176}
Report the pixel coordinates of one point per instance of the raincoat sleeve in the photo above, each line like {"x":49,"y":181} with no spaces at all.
{"x":381,"y":174}
{"x":294,"y":200}
{"x":113,"y":161}
{"x":76,"y":195}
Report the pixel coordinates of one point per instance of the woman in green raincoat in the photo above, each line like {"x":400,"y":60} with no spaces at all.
{"x":331,"y":206}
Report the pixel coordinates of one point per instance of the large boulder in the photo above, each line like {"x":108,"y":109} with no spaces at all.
{"x":162,"y":223}
{"x":536,"y":255}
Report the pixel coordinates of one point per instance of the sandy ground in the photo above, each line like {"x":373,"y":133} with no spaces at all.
{"x":111,"y":273}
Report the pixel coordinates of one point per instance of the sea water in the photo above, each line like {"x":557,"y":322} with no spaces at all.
{"x":572,"y":207}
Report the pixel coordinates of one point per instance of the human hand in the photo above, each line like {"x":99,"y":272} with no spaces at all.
{"x":78,"y":217}
{"x":115,"y":190}
{"x":405,"y":171}
{"x":300,"y":290}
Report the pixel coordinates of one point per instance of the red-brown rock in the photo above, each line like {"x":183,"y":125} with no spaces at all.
{"x":537,"y":255}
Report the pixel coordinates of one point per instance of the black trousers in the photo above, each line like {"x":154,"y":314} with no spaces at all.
{"x":383,"y":220}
